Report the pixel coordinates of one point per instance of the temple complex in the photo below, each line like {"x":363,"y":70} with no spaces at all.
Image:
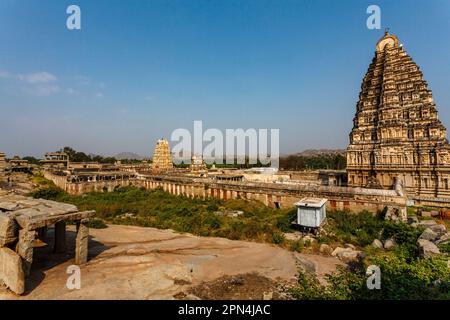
{"x":58,"y":160}
{"x":162,"y":157}
{"x":397,"y":138}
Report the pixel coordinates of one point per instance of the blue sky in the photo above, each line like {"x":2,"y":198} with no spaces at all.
{"x":139,"y":69}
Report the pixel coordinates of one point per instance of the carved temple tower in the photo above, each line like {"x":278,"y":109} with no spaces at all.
{"x":162,"y":157}
{"x":2,"y":165}
{"x":397,"y":136}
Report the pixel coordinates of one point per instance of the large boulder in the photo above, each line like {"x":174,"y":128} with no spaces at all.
{"x":427,"y":248}
{"x":349,"y":256}
{"x":429,"y":234}
{"x":349,"y":245}
{"x":346,"y":254}
{"x":426,"y":223}
{"x":11,"y":271}
{"x":377,"y":244}
{"x":443,"y":239}
{"x":292,"y":236}
{"x":325,"y":249}
{"x":440,"y":229}
{"x":389,"y":244}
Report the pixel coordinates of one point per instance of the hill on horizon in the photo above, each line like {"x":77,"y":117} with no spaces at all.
{"x":128,"y":156}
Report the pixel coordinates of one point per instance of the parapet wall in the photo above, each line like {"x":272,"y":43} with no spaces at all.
{"x":271,"y":194}
{"x":277,"y":195}
{"x":77,"y":188}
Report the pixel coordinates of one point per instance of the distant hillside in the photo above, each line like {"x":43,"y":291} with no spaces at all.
{"x":320,"y":152}
{"x":128,"y":156}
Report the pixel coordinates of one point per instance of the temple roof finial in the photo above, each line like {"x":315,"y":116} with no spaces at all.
{"x":386,"y":31}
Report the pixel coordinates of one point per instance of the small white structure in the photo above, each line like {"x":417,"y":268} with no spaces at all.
{"x":311,"y":212}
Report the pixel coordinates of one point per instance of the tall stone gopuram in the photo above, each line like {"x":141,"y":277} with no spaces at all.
{"x":2,"y":165}
{"x":397,"y":137}
{"x":162,"y":157}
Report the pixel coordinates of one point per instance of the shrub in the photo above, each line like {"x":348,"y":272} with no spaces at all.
{"x":97,"y":223}
{"x":297,"y":246}
{"x":278,"y":237}
{"x":49,"y":193}
{"x":400,"y":279}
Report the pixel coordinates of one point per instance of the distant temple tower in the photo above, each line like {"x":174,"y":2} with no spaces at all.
{"x":397,"y":137}
{"x":2,"y":164}
{"x":162,"y":157}
{"x":197,"y":163}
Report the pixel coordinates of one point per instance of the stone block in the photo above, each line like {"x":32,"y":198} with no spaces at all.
{"x":11,"y":271}
{"x":8,"y":230}
{"x":427,"y":248}
{"x":429,"y":234}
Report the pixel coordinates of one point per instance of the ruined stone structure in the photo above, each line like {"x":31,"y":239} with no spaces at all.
{"x":162,"y":157}
{"x":197,"y":163}
{"x":16,"y":164}
{"x":57,"y":160}
{"x":397,"y":138}
{"x":2,"y":166}
{"x":271,"y":194}
{"x":24,"y":220}
{"x":79,"y":182}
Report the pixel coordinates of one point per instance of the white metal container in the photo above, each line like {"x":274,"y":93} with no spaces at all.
{"x":311,"y":212}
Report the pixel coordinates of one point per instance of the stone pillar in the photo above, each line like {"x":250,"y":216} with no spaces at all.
{"x":81,"y":244}
{"x":25,"y":249}
{"x":60,"y":237}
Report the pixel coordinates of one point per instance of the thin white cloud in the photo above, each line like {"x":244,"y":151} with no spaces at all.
{"x":40,"y":84}
{"x":99,"y":94}
{"x":43,"y":90}
{"x":38,"y":77}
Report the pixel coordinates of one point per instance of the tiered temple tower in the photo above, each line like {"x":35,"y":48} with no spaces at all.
{"x":397,"y":136}
{"x":162,"y":157}
{"x":2,"y":164}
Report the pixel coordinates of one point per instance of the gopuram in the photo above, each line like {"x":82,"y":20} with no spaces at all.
{"x":397,"y":139}
{"x":162,"y":157}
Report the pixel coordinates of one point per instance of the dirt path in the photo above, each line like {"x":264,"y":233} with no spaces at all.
{"x":144,"y":263}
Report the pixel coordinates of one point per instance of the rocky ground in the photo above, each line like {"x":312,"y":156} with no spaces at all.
{"x":129,"y":262}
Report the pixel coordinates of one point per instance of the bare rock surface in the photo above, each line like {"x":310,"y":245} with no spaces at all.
{"x":127,"y":262}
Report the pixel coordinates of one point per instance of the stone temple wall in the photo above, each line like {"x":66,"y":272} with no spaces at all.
{"x":271,"y":194}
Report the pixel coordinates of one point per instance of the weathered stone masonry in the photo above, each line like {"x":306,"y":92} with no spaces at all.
{"x":271,"y":194}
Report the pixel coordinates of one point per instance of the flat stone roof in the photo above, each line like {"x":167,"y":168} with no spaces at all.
{"x":32,"y":213}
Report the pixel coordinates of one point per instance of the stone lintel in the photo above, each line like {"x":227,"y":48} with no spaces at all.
{"x":40,"y":222}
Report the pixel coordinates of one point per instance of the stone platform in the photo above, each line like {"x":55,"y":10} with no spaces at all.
{"x":23,"y":226}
